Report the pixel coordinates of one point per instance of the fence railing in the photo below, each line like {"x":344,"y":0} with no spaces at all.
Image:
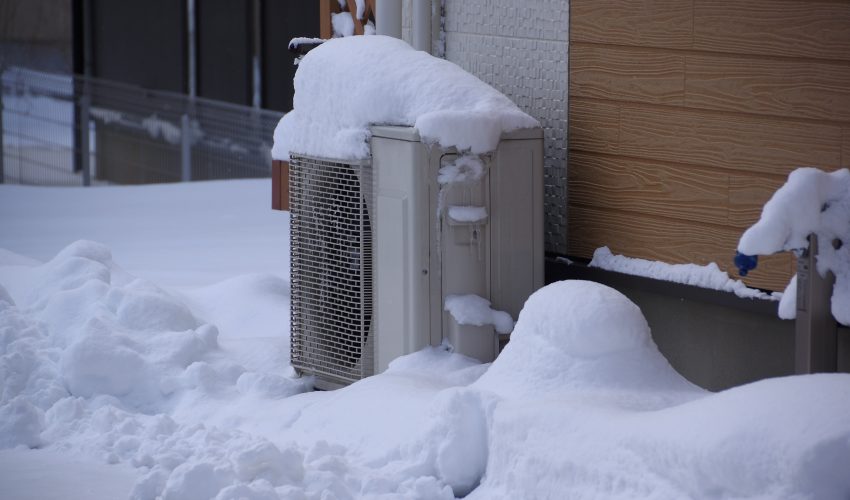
{"x":73,"y":130}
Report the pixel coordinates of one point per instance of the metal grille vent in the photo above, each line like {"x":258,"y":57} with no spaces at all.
{"x":331,"y":268}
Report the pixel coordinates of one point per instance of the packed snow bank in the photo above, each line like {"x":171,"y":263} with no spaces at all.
{"x":103,"y":332}
{"x":780,"y":438}
{"x":811,"y":202}
{"x":347,"y":84}
{"x":589,"y":406}
{"x":709,"y":276}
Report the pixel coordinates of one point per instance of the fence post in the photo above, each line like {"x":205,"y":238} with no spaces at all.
{"x":2,"y":135}
{"x":816,"y":339}
{"x":185,"y":149}
{"x":85,"y":153}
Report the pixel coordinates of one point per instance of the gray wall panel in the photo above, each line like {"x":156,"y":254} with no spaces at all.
{"x":520,"y":48}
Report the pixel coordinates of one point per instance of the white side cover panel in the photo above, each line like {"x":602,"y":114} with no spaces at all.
{"x":516,"y":188}
{"x":501,"y":258}
{"x":401,"y":249}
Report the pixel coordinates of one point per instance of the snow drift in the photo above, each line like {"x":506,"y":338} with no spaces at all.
{"x":590,"y":409}
{"x":347,"y":84}
{"x":99,"y":365}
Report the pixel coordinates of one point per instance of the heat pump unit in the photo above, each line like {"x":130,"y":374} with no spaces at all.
{"x":378,"y":246}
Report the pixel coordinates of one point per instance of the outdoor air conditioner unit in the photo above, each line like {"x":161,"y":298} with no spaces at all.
{"x":378,"y":245}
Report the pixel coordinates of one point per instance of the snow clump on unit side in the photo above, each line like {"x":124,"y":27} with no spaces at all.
{"x":467,"y":213}
{"x":347,"y":84}
{"x":465,"y":169}
{"x":811,"y":202}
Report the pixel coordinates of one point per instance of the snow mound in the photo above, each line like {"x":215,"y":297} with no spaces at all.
{"x":394,"y":85}
{"x":114,"y":334}
{"x":811,"y":202}
{"x":102,"y":332}
{"x":580,"y":335}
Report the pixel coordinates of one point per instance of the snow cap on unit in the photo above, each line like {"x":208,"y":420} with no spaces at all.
{"x":347,"y":84}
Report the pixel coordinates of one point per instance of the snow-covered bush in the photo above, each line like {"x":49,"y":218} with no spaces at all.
{"x":811,"y":202}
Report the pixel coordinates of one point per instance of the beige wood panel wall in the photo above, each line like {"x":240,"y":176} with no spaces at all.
{"x":686,"y":115}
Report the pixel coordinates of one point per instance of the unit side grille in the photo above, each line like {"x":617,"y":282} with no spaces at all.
{"x":331,"y":269}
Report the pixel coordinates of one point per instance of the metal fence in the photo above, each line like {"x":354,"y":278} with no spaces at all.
{"x":71,"y":130}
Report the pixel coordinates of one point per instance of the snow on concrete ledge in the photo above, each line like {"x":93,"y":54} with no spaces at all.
{"x":347,"y":84}
{"x":709,"y":276}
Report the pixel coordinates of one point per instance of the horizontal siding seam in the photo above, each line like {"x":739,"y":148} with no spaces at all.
{"x":655,"y":216}
{"x":702,"y":52}
{"x":713,"y":112}
{"x":508,"y":37}
{"x":674,"y":164}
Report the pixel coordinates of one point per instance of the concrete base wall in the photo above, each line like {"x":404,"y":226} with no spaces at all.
{"x":714,"y":339}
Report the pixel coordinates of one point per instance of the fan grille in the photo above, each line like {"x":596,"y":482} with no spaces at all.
{"x":331,"y":269}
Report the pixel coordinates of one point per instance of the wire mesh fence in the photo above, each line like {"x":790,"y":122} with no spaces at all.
{"x":71,"y":130}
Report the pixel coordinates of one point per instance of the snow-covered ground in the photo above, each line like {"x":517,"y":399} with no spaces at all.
{"x":144,"y":351}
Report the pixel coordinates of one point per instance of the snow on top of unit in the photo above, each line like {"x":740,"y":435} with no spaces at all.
{"x":347,"y":84}
{"x":811,"y":202}
{"x":476,"y":311}
{"x":709,"y":276}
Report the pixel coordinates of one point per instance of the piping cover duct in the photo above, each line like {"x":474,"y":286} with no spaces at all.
{"x":388,"y":18}
{"x":422,"y":25}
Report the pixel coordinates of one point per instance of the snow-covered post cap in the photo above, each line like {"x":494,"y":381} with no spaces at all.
{"x":347,"y":84}
{"x":811,"y":203}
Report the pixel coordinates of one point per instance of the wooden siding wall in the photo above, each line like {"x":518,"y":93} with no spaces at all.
{"x":686,"y":115}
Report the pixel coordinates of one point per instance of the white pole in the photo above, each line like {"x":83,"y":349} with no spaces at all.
{"x":422,"y":25}
{"x":388,"y":18}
